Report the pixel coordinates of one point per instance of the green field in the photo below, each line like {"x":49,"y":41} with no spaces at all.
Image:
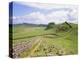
{"x":29,"y":41}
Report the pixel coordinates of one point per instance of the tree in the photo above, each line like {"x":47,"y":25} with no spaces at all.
{"x":68,"y":24}
{"x":50,"y":25}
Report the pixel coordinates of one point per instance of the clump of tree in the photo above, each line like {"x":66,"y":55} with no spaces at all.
{"x":50,"y":25}
{"x":64,"y":27}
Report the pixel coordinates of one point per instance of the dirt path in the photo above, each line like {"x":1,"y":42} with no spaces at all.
{"x":38,"y":44}
{"x":24,"y":46}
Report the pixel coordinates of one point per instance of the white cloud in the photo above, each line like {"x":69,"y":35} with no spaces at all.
{"x":59,"y":16}
{"x":47,"y":5}
{"x":40,"y":18}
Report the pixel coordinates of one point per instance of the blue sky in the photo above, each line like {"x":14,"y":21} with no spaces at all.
{"x":39,"y":13}
{"x":20,"y":10}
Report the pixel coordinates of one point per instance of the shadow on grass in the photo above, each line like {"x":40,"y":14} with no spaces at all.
{"x":35,"y":36}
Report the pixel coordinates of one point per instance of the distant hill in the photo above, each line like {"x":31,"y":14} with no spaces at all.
{"x":29,"y":24}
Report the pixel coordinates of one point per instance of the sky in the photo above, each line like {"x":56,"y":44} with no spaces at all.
{"x":42,"y":13}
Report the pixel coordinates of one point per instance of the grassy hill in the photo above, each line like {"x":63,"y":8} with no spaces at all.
{"x":31,"y":41}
